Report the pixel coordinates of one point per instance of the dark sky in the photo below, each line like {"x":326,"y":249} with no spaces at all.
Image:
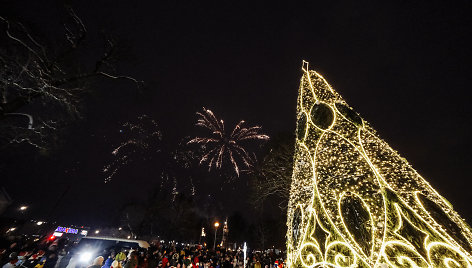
{"x":403,"y":65}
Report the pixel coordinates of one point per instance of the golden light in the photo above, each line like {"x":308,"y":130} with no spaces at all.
{"x":355,"y":202}
{"x":217,"y":224}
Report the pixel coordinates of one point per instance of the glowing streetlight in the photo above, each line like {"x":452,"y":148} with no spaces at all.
{"x":97,"y":231}
{"x":39,"y":223}
{"x":23,"y":208}
{"x":217,"y":224}
{"x":119,"y":229}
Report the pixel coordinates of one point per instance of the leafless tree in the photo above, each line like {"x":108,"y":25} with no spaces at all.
{"x":43,"y":85}
{"x":272,"y":176}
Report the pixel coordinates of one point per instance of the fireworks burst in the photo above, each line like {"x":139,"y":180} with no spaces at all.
{"x":221,"y":145}
{"x":142,"y":139}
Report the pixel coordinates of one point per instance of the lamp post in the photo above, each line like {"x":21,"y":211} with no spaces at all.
{"x":245,"y":254}
{"x":216,"y":229}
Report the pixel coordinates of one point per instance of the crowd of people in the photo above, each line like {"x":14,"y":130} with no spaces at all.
{"x":32,"y":252}
{"x":42,"y":253}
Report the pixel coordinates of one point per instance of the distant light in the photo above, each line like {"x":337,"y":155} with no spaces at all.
{"x":217,"y":224}
{"x":39,"y":223}
{"x":97,"y":231}
{"x":23,"y":207}
{"x":129,"y":236}
{"x":52,"y":237}
{"x":120,"y":229}
{"x":11,"y":229}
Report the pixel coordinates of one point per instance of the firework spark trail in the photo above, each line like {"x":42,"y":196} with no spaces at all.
{"x":141,"y":136}
{"x":221,"y":145}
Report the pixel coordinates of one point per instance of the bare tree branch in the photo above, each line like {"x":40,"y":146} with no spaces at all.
{"x":42,"y":84}
{"x":272,"y":176}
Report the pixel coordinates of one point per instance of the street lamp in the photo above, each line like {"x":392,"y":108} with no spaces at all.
{"x":216,"y":229}
{"x":23,"y":208}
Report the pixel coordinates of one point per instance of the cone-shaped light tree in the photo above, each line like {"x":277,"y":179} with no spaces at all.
{"x":355,"y":202}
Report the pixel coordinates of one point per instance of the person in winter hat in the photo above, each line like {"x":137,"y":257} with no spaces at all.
{"x":116,"y":264}
{"x":120,"y":256}
{"x":133,"y":260}
{"x":97,"y":263}
{"x":109,"y":260}
{"x":13,"y":259}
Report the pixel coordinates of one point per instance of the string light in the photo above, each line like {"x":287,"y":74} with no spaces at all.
{"x":355,"y":202}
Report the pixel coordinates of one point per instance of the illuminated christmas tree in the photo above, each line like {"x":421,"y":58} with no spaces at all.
{"x":355,"y":202}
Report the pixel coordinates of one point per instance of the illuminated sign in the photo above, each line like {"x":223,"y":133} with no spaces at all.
{"x":66,"y":230}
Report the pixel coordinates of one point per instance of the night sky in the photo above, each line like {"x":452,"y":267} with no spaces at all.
{"x":403,"y":65}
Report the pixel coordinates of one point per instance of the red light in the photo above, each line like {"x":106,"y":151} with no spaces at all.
{"x":52,"y":237}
